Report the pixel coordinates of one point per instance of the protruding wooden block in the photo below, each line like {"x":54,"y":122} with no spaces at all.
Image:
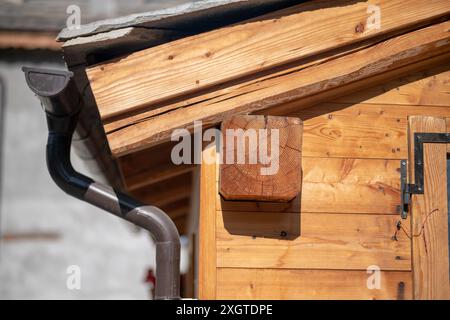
{"x":261,"y":158}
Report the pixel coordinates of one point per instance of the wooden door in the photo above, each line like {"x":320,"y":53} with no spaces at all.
{"x":429,"y":212}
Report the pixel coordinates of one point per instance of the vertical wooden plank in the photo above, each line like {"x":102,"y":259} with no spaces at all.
{"x":447,"y":120}
{"x":192,"y":225}
{"x":429,"y":228}
{"x":207,"y":227}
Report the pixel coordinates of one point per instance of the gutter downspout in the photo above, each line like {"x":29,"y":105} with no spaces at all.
{"x":62,"y":104}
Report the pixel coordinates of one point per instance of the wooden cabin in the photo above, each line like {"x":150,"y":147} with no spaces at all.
{"x":369,"y":85}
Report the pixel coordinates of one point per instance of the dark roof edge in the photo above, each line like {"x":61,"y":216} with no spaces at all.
{"x":194,"y":16}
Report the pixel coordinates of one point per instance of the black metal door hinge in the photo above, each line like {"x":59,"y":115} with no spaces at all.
{"x":407,"y":189}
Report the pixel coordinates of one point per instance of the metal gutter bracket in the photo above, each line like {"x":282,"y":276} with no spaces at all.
{"x":408,"y":189}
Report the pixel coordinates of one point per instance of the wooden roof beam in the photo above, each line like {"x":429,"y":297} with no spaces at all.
{"x":178,"y":210}
{"x":166,"y":192}
{"x":146,"y":129}
{"x":148,"y":167}
{"x":167,"y":196}
{"x":194,"y":63}
{"x":156,"y":175}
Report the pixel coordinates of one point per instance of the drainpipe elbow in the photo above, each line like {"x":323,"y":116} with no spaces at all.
{"x":62,"y":103}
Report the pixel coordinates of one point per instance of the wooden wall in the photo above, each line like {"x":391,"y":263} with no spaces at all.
{"x":320,"y":245}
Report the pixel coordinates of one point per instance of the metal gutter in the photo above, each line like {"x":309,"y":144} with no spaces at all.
{"x":63,"y":103}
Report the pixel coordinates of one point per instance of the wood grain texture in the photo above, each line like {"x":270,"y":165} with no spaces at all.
{"x":138,"y":162}
{"x":447,"y":120}
{"x":276,"y":284}
{"x":430,"y":216}
{"x":167,"y":191}
{"x":364,"y":135}
{"x":310,"y":241}
{"x":279,"y":88}
{"x":348,"y":89}
{"x":359,"y":130}
{"x":427,"y":88}
{"x":350,"y":185}
{"x":156,"y":175}
{"x":247,"y":140}
{"x":200,"y":61}
{"x":147,"y":167}
{"x":178,"y":211}
{"x":332,"y":185}
{"x":207,"y":228}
